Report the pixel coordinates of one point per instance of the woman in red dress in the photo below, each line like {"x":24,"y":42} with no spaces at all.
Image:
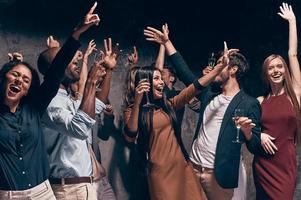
{"x":275,"y":176}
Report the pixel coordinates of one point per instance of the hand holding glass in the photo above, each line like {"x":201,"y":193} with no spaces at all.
{"x":148,"y":104}
{"x":238,"y":112}
{"x":211,"y":60}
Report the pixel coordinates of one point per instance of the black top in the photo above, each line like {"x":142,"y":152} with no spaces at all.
{"x":23,"y":159}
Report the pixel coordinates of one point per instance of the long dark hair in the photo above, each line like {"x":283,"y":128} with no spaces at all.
{"x":145,"y":123}
{"x":35,"y":81}
{"x":288,"y":88}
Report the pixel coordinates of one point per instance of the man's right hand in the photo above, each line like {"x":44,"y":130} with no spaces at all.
{"x":89,"y":20}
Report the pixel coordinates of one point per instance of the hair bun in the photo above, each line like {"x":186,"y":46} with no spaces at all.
{"x":15,"y":56}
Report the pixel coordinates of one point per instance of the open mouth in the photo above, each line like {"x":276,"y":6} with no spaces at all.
{"x":159,"y":90}
{"x":276,"y":76}
{"x":14,"y":89}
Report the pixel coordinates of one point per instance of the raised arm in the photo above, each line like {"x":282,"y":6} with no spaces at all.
{"x":199,"y":84}
{"x":182,"y":70}
{"x":55,"y":73}
{"x":84,"y":71}
{"x":88,"y":102}
{"x":132,"y":113}
{"x":286,"y":12}
{"x":160,"y":58}
{"x":110,"y":62}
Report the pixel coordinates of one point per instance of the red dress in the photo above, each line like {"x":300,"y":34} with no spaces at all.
{"x":275,"y":176}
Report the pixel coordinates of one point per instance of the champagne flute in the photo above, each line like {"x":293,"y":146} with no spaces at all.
{"x":212,"y":60}
{"x":238,"y":112}
{"x":146,"y":77}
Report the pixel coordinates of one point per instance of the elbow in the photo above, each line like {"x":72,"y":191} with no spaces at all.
{"x":129,"y":135}
{"x":80,"y":135}
{"x":79,"y":132}
{"x":292,"y":53}
{"x":129,"y":139}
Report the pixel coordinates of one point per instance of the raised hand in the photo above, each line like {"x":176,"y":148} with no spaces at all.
{"x":91,"y":47}
{"x":155,"y":35}
{"x":206,"y":70}
{"x":89,"y":20}
{"x":133,"y":57}
{"x":109,"y":110}
{"x":96,"y":74}
{"x":51,"y":42}
{"x":267,"y":143}
{"x":110,"y":56}
{"x":227,"y":54}
{"x":286,"y":12}
{"x":15,"y":56}
{"x":143,"y":86}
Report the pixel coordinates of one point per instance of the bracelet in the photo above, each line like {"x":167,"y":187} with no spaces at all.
{"x":197,"y":85}
{"x":129,"y":133}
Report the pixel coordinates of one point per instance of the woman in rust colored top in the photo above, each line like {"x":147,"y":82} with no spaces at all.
{"x":275,"y":176}
{"x":170,"y":175}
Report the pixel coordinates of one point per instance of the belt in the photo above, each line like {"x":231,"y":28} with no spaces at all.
{"x":71,"y":180}
{"x":200,"y":168}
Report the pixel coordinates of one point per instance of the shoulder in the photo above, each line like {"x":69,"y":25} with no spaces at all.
{"x":249,"y":100}
{"x":260,"y":99}
{"x":60,"y":99}
{"x":62,"y":102}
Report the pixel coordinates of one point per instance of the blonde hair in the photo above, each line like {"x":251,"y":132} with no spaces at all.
{"x":130,"y":87}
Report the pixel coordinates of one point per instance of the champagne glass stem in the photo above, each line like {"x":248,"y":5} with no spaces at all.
{"x":237,"y":134}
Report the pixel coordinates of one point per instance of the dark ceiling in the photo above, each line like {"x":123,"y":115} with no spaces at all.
{"x":197,"y":27}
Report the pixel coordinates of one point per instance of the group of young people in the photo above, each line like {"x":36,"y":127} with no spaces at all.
{"x":269,"y":125}
{"x":48,"y":131}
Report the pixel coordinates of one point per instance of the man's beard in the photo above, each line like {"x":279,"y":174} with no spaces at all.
{"x":67,"y":80}
{"x":216,"y":86}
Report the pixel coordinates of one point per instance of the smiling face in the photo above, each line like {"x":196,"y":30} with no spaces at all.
{"x":18,"y":81}
{"x":275,"y":71}
{"x":158,"y":85}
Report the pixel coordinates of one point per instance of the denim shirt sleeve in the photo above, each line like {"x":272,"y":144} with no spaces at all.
{"x":78,"y":125}
{"x":99,"y":106}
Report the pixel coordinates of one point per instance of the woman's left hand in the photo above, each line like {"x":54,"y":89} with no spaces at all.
{"x":267,"y":143}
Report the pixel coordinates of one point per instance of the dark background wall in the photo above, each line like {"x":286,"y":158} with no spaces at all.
{"x":197,"y":28}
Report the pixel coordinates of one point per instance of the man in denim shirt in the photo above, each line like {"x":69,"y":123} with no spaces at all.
{"x":68,"y":131}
